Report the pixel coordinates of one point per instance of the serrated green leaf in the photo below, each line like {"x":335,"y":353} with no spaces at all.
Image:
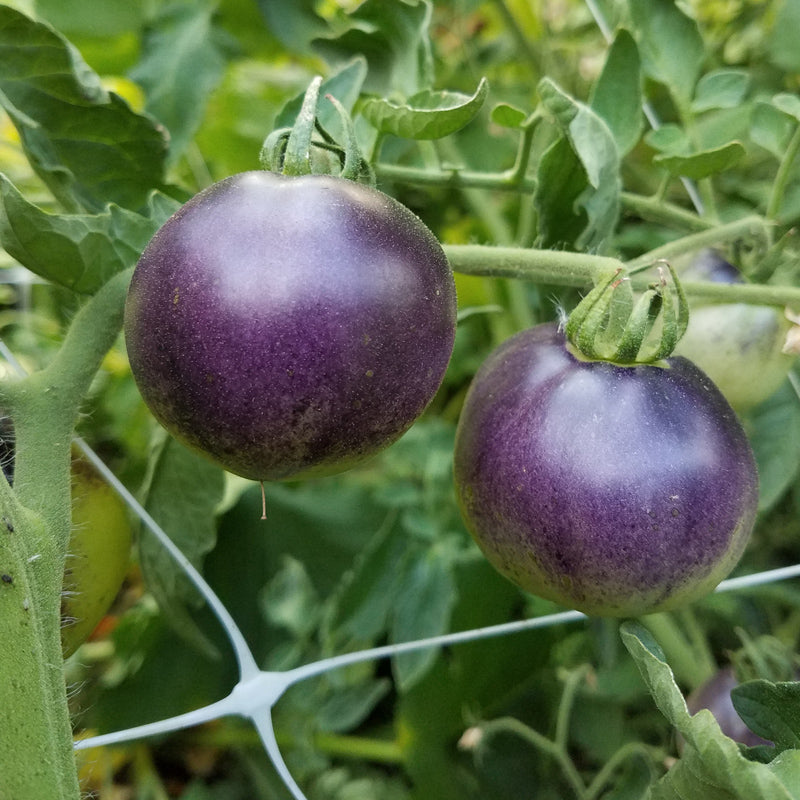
{"x":723,"y":88}
{"x":79,"y":251}
{"x":593,"y":143}
{"x":183,"y":58}
{"x":771,"y":710}
{"x":672,"y":48}
{"x":393,"y":37}
{"x":85,"y":143}
{"x":181,"y":492}
{"x":422,"y":608}
{"x":508,"y":116}
{"x":703,"y":164}
{"x":617,"y":95}
{"x":712,"y":765}
{"x":426,"y":115}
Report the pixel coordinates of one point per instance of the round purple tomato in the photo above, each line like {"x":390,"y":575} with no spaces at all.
{"x":289,"y":326}
{"x":614,"y":490}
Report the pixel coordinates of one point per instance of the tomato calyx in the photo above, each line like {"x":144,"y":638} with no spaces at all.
{"x":611,"y":324}
{"x":290,"y":151}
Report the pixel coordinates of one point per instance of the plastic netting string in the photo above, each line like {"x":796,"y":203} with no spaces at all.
{"x":257,"y":691}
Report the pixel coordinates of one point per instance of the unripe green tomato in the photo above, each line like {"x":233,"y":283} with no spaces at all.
{"x":98,"y":555}
{"x":739,"y":346}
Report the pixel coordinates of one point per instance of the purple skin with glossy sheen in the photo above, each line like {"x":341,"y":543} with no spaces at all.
{"x":617,"y":491}
{"x":290,"y":326}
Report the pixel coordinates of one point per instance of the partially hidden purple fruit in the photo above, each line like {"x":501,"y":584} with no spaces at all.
{"x":289,"y":326}
{"x":618,"y":491}
{"x":715,"y":695}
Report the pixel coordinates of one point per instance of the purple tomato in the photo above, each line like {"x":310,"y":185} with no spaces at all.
{"x":614,"y":490}
{"x":289,"y":326}
{"x":715,"y":695}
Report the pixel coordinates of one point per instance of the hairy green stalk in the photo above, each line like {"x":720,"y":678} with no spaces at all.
{"x":36,"y":736}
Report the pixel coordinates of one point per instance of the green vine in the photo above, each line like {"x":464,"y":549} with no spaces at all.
{"x":33,"y":541}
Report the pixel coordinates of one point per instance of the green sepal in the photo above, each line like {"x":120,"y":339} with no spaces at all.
{"x":585,"y":320}
{"x":640,"y":324}
{"x":608,"y":326}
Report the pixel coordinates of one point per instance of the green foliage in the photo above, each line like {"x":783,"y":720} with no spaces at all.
{"x":427,"y":114}
{"x":84,"y":142}
{"x":507,"y":123}
{"x":712,"y":764}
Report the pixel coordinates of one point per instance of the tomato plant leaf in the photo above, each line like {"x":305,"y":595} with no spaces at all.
{"x":79,"y":251}
{"x":508,"y":116}
{"x":617,"y":94}
{"x":771,"y":710}
{"x":422,"y":608}
{"x":670,"y":139}
{"x":425,"y":115}
{"x":290,"y":600}
{"x":348,"y":706}
{"x":789,"y":104}
{"x":561,"y":180}
{"x":181,"y":492}
{"x":771,"y":128}
{"x":705,"y":163}
{"x":723,"y":88}
{"x":712,"y":765}
{"x":593,"y":143}
{"x":775,"y":437}
{"x":671,"y":46}
{"x":360,"y":608}
{"x":786,"y":768}
{"x":85,"y":143}
{"x":294,"y":22}
{"x":183,"y":58}
{"x":393,"y":37}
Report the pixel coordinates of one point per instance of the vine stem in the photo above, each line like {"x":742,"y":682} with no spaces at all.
{"x":541,"y":743}
{"x":782,"y":176}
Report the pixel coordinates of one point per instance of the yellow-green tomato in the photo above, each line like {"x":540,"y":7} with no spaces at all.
{"x":739,"y":347}
{"x":98,"y":555}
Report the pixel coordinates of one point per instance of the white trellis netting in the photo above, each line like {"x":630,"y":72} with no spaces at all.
{"x":256,"y":692}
